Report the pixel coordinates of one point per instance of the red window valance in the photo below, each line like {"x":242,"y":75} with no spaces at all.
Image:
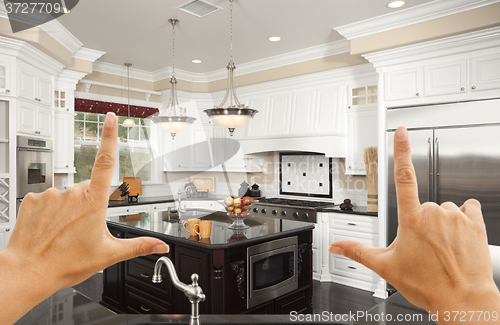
{"x":98,"y":107}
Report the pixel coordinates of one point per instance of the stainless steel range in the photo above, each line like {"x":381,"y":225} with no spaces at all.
{"x":290,"y":209}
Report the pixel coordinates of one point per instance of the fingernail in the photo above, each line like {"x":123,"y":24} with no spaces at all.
{"x":110,"y":120}
{"x":337,"y":250}
{"x":402,"y":133}
{"x":160,"y":249}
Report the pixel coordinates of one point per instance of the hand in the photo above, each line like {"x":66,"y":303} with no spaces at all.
{"x":61,"y":238}
{"x":440,"y":259}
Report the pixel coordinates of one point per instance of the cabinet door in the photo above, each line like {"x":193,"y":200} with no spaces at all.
{"x":257,"y":126}
{"x":445,"y":78}
{"x":327,"y":110}
{"x":44,"y":122}
{"x":27,"y":82}
{"x":44,"y":90}
{"x":5,"y":78}
{"x":200,"y":153}
{"x":405,"y":84}
{"x":302,"y":112}
{"x":63,"y":151}
{"x":279,"y":112}
{"x":179,"y":157}
{"x":362,"y":132}
{"x":485,"y":72}
{"x":4,"y":237}
{"x":26,"y":118}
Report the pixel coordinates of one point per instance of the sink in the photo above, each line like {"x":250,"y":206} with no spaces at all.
{"x":195,"y":213}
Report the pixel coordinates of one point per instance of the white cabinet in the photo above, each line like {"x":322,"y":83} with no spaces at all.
{"x":34,"y":85}
{"x":4,"y":236}
{"x":328,"y":108}
{"x":362,"y":132}
{"x":485,"y":72}
{"x":34,"y":120}
{"x":6,"y":76}
{"x":445,"y":78}
{"x":279,"y":114}
{"x":302,"y":113}
{"x":257,"y":126}
{"x":63,"y":143}
{"x":404,"y":84}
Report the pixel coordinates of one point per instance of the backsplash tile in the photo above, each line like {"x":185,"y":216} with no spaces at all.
{"x":306,"y":175}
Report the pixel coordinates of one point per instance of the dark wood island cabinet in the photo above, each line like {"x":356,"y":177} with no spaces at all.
{"x":220,"y":262}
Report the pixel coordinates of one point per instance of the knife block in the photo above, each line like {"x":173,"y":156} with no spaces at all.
{"x":116,"y":195}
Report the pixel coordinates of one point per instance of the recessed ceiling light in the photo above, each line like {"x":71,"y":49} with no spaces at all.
{"x":196,"y":61}
{"x":396,"y":4}
{"x":275,"y":39}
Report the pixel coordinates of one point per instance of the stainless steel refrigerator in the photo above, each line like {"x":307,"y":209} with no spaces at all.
{"x":452,"y":162}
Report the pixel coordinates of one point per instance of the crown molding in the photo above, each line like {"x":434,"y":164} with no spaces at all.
{"x":121,"y":70}
{"x":452,"y":45}
{"x":308,"y":54}
{"x":28,"y":53}
{"x":54,"y":28}
{"x":88,"y":54}
{"x":303,"y":55}
{"x":406,"y":17}
{"x":68,"y":79}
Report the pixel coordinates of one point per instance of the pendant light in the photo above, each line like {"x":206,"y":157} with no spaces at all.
{"x":173,"y":123}
{"x":234,"y":114}
{"x":128,"y":122}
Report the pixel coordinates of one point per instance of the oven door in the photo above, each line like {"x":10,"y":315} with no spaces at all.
{"x":34,"y":171}
{"x":272,"y":270}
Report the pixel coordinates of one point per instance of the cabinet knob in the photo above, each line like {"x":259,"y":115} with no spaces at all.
{"x":418,"y":94}
{"x":352,"y":224}
{"x":350,"y":167}
{"x":145,"y":275}
{"x":145,"y":309}
{"x":7,"y":90}
{"x":7,"y":230}
{"x":349,"y":107}
{"x":118,"y":235}
{"x":473,"y":87}
{"x":462,"y":89}
{"x":67,"y":166}
{"x":352,"y":267}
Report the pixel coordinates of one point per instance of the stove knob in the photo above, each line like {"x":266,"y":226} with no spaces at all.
{"x":283,"y":213}
{"x":275,"y":212}
{"x":255,"y":210}
{"x":296,"y":214}
{"x":263,"y":211}
{"x":306,"y":215}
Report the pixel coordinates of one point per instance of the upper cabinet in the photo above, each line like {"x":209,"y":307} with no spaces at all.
{"x":34,"y":120}
{"x":34,"y":85}
{"x":7,"y":64}
{"x":443,"y":77}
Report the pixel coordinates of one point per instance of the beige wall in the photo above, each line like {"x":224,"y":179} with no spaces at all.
{"x":481,"y":18}
{"x":80,"y":66}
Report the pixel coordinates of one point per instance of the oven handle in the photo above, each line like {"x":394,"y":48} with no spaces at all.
{"x":37,"y":150}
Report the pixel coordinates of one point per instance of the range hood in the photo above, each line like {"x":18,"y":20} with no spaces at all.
{"x":333,"y":146}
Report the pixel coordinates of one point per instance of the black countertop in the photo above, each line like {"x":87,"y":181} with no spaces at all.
{"x":223,"y":235}
{"x":355,"y":210}
{"x":74,"y":308}
{"x":160,"y":199}
{"x":71,"y":307}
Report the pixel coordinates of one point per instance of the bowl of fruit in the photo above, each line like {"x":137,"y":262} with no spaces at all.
{"x":238,"y":209}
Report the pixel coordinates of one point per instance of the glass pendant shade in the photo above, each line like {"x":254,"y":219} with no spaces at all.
{"x":173,"y":123}
{"x":234,"y":114}
{"x":129,"y":122}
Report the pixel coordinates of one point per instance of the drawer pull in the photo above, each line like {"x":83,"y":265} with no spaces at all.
{"x":145,"y":275}
{"x":145,"y":309}
{"x":352,"y":224}
{"x":352,"y":267}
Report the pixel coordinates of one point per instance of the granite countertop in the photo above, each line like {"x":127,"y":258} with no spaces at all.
{"x":356,"y":210}
{"x":223,"y":235}
{"x":79,"y":310}
{"x":161,"y":199}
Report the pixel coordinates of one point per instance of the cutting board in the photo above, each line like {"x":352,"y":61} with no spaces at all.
{"x":135,"y":184}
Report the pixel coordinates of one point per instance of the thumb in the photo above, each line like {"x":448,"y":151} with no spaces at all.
{"x":126,"y":249}
{"x":368,"y":256}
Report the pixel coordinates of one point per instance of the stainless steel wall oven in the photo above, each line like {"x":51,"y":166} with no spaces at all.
{"x":272,"y":270}
{"x":34,"y":165}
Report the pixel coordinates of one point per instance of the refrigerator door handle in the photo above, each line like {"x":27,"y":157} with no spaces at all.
{"x":436,"y":169}
{"x":429,"y":159}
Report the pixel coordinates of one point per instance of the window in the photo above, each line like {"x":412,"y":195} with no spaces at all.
{"x":133,"y":156}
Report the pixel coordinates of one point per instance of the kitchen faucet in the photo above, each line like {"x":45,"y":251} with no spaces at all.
{"x":179,"y":194}
{"x":192,"y":291}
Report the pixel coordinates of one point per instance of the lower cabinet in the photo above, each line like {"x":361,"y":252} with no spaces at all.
{"x":222,"y":272}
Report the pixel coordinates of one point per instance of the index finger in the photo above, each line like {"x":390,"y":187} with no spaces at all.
{"x":102,"y":172}
{"x":404,"y":174}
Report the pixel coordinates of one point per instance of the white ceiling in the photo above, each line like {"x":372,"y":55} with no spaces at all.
{"x":138,"y":31}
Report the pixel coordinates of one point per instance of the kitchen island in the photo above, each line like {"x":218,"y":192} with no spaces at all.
{"x":220,"y":261}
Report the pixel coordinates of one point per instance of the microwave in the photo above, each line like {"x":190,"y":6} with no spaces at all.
{"x":272,"y":270}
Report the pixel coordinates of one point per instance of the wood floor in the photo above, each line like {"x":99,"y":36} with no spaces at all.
{"x":330,"y":297}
